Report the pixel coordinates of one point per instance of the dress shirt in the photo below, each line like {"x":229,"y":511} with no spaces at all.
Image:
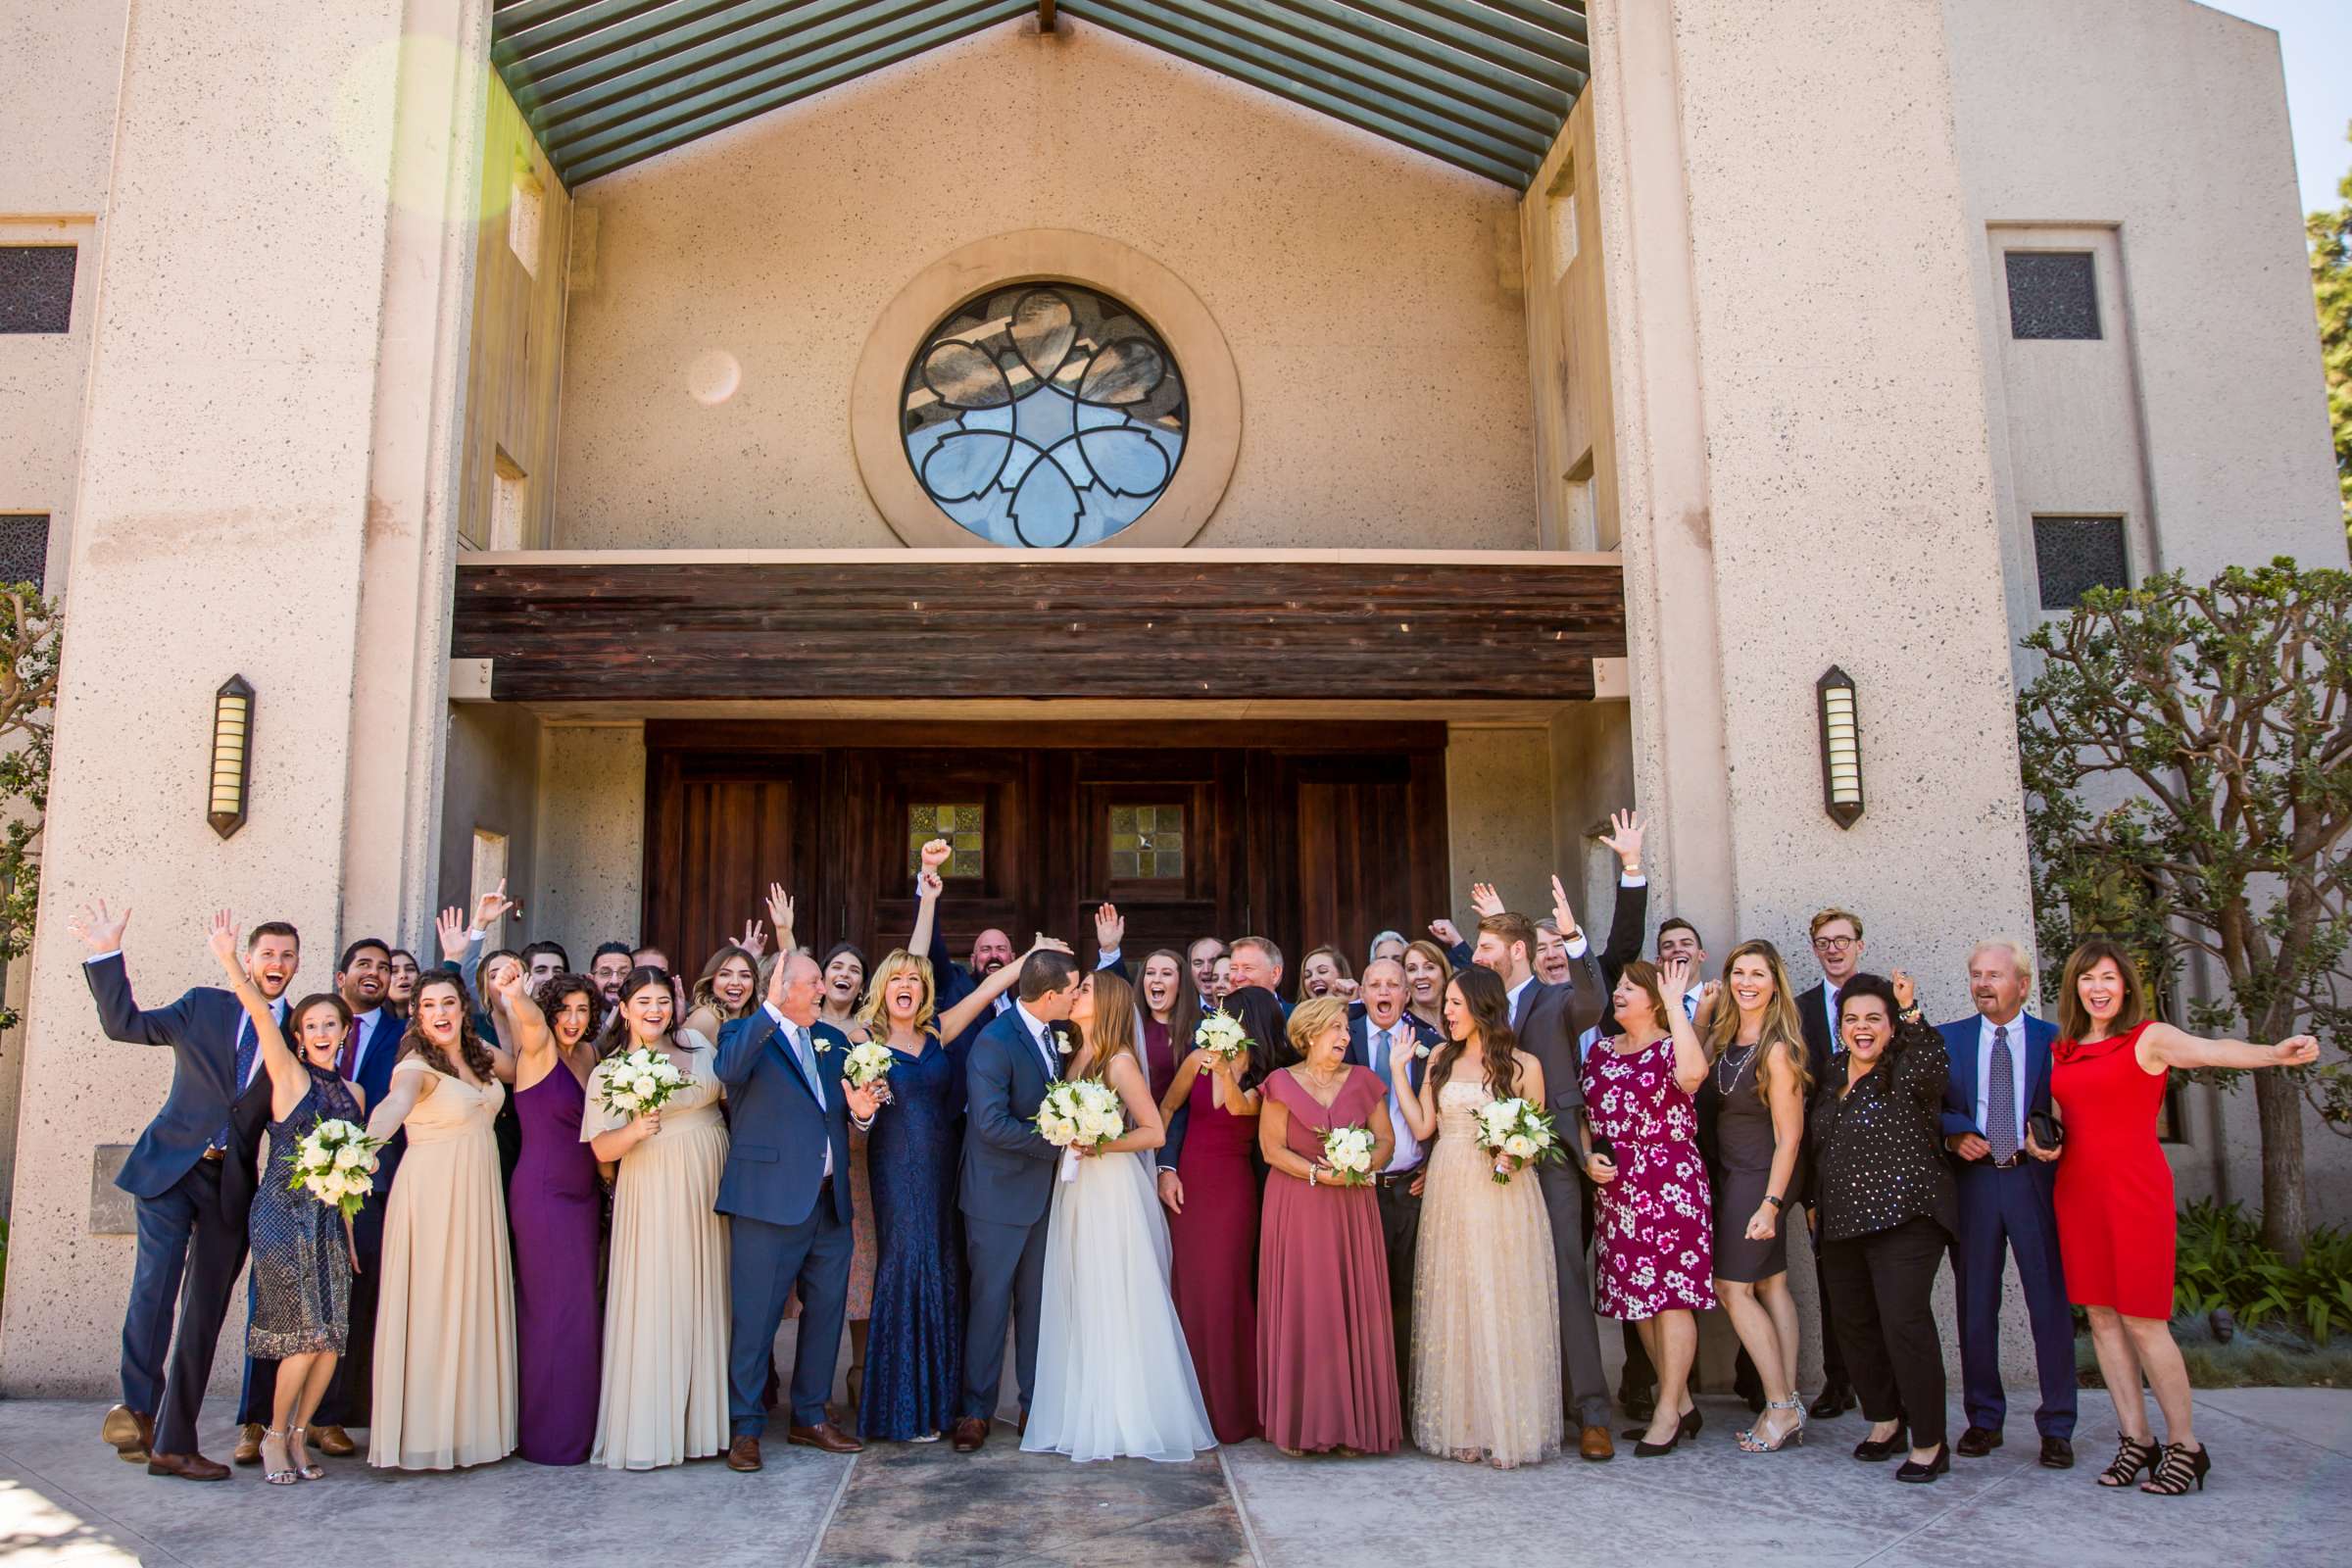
{"x":1378,"y":1044}
{"x":798,"y":1044}
{"x":370,"y":1025}
{"x":1042,"y":1038}
{"x":1510,"y":1001}
{"x":2017,"y":1071}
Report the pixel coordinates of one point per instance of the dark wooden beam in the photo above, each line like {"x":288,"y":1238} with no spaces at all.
{"x":1045,"y":16}
{"x":1096,"y":626}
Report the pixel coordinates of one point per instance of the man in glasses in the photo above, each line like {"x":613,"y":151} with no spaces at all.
{"x":1838,"y":948}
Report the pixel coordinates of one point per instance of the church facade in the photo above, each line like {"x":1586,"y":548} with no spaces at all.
{"x":1265,"y":465}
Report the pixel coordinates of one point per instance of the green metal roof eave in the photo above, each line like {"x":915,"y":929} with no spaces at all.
{"x":1484,"y":85}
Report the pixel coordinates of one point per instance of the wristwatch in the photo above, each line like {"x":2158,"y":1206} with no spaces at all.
{"x":1776,"y":1201}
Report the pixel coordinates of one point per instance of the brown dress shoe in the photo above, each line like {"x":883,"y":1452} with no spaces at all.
{"x":744,"y":1453}
{"x":132,"y":1433}
{"x":970,"y":1434}
{"x":186,"y":1466}
{"x":249,"y":1444}
{"x":826,"y":1436}
{"x":1596,"y":1445}
{"x":333,"y":1442}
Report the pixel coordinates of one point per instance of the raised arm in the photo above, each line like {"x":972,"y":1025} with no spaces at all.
{"x":1419,"y":1102}
{"x":740,"y":1042}
{"x":927,"y":889}
{"x":408,"y":1089}
{"x":2161,"y":1047}
{"x":288,"y":1077}
{"x":1110,"y":930}
{"x":972,"y":1008}
{"x":101,"y":931}
{"x":527,"y":1028}
{"x":1632,"y":915}
{"x":1689,"y":1053}
{"x":1180,"y":1087}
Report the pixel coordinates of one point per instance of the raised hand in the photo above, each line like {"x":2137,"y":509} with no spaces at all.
{"x":928,"y":885}
{"x":449,"y":929}
{"x":1905,"y":993}
{"x":1110,"y":928}
{"x":98,"y":928}
{"x":222,"y":937}
{"x":754,"y":938}
{"x":1562,"y":915}
{"x":1047,"y":944}
{"x":1345,"y":990}
{"x":492,"y":905}
{"x":1673,"y":980}
{"x":1483,"y":899}
{"x":779,"y":915}
{"x":935,"y":854}
{"x":1624,"y":837}
{"x":1446,"y":931}
{"x":2296,"y":1050}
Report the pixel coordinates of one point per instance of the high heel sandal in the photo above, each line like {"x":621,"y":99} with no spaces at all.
{"x":1750,"y":1443}
{"x":307,"y":1472}
{"x":2130,"y":1458}
{"x":278,"y":1478}
{"x":2177,"y":1470}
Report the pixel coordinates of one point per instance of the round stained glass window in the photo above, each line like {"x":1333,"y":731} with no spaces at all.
{"x":1043,"y":414}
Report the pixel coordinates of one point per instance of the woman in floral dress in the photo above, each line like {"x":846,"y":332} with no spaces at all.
{"x":1655,"y":1259}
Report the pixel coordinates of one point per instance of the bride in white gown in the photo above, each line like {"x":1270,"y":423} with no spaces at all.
{"x":1113,"y":1375}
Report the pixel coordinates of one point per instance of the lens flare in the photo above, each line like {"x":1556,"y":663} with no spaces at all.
{"x":711,"y":377}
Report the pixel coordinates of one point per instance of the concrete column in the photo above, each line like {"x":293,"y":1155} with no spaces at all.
{"x":1805,"y":475}
{"x":265,"y":459}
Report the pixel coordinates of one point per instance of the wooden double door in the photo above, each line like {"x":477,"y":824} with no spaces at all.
{"x":1307,"y":834}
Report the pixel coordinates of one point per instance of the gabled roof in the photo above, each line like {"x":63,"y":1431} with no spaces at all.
{"x":1483,"y":84}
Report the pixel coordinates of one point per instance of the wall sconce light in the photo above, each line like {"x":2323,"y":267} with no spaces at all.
{"x":232,"y":755}
{"x":1841,"y":747}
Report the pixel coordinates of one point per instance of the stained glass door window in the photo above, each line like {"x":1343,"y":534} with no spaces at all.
{"x":963,"y":826}
{"x":1147,"y":843}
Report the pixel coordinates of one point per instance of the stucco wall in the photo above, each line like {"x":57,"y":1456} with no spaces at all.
{"x":491,"y":783}
{"x":1499,"y":819}
{"x":1369,"y":295}
{"x":590,"y":861}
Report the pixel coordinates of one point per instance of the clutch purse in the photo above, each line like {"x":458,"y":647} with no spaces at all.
{"x":2045,"y":1129}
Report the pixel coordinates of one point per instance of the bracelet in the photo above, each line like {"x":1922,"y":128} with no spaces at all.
{"x":1776,"y":1201}
{"x":1310,"y":1175}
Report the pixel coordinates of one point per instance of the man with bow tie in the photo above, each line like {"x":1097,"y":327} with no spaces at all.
{"x":787,"y":1188}
{"x":190,"y":1229}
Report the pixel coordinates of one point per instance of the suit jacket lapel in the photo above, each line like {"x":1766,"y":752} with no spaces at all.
{"x":783,"y":1047}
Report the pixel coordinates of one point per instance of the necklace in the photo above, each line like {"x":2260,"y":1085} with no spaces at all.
{"x":1722,"y":1086}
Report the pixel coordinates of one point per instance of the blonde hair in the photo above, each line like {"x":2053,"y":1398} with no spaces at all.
{"x":1310,"y":1019}
{"x":1784,"y":1029}
{"x":1832,"y":913}
{"x":873,"y":1014}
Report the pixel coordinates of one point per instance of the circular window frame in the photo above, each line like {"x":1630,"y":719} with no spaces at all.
{"x":1212,"y":385}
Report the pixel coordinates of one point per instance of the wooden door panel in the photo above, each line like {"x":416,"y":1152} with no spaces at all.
{"x":720,"y":829}
{"x":1157,"y":833}
{"x":1348,"y":844}
{"x":993,"y":884}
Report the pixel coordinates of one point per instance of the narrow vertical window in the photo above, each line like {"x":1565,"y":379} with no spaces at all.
{"x":2073,"y":555}
{"x":36,"y":287}
{"x":526,"y":206}
{"x":2052,"y":294}
{"x":25,"y":547}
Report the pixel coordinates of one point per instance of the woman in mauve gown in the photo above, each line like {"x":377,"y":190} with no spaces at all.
{"x":554,"y":1207}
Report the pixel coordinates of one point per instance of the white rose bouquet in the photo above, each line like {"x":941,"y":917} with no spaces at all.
{"x":1518,"y":1134}
{"x":867,"y":1066}
{"x":1348,"y":1151}
{"x":1220,"y":1035}
{"x":1078,"y":1115}
{"x":638,"y":1081}
{"x":334,"y":1162}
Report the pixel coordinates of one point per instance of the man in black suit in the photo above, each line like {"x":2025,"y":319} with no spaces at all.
{"x":363,"y":978}
{"x":1549,"y":1021}
{"x":1837,"y":948}
{"x":192,"y":1243}
{"x":1376,"y":1035}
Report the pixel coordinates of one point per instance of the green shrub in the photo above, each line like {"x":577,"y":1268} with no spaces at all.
{"x":2221,"y":1262}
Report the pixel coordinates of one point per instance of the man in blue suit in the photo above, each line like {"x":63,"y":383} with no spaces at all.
{"x":787,"y":1187}
{"x":2000,"y":1077}
{"x":1374,"y":1036}
{"x":1008,"y":1188}
{"x":191,"y":1244}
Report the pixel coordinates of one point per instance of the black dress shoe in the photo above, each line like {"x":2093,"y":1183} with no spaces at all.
{"x":1978,"y":1442}
{"x":2057,"y":1453}
{"x":1835,"y":1399}
{"x":1878,"y":1451}
{"x":1921,"y":1474}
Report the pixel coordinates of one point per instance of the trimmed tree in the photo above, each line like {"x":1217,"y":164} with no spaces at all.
{"x":29,"y":633}
{"x":2187,"y":761}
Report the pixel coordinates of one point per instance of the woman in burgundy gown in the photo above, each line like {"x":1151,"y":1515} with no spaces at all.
{"x":1170,"y":1013}
{"x":554,"y":1207}
{"x":1326,"y":1347}
{"x":1213,"y":1225}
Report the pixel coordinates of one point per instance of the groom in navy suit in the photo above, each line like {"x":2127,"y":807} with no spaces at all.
{"x":787,"y":1187}
{"x":2000,"y":1077}
{"x":1007,"y":1187}
{"x":191,"y":1237}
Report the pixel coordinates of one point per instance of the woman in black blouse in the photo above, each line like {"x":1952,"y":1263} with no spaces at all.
{"x":1887,"y":1214}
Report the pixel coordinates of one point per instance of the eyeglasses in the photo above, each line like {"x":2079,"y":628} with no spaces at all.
{"x":1833,"y":944}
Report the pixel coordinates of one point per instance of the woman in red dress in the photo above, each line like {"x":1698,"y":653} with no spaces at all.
{"x":1212,"y":1226}
{"x":2116,"y":1224}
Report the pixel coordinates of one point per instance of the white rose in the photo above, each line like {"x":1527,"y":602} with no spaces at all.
{"x":318,"y":1156}
{"x":1519,"y":1146}
{"x":358,"y":1185}
{"x":622,"y":1100}
{"x":644,"y":1085}
{"x":348,"y":1155}
{"x":329,"y":1187}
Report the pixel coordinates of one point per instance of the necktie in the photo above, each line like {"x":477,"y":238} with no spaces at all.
{"x":1045,"y":1048}
{"x":1691,"y":1007}
{"x":800,"y":1055}
{"x":2000,"y":1100}
{"x":1380,"y":1059}
{"x":348,"y":1061}
{"x":247,"y":1045}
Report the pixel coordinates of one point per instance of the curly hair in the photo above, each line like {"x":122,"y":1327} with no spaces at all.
{"x":557,"y":989}
{"x":417,"y":1043}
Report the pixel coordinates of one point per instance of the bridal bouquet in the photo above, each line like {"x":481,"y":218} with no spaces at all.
{"x":1220,"y":1035}
{"x":638,"y":1081}
{"x":1079,"y":1114}
{"x":1518,"y":1135}
{"x":867,"y":1065}
{"x":1348,"y":1151}
{"x":333,"y":1163}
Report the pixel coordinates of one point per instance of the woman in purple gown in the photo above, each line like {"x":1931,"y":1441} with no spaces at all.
{"x":555,"y":1208}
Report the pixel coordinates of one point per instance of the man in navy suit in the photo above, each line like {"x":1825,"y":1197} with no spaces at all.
{"x":191,"y":1244}
{"x":1007,"y":1186}
{"x":1374,"y":1036}
{"x":787,"y":1187}
{"x":2000,"y":1078}
{"x":363,"y":979}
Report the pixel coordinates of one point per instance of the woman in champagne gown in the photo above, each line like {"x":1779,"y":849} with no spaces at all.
{"x":1485,"y":1298}
{"x":664,"y":1394}
{"x":445,"y":1309}
{"x":1113,"y":1376}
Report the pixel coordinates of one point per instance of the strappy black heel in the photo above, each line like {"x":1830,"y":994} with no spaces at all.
{"x":2130,"y":1458}
{"x":2179,"y":1468}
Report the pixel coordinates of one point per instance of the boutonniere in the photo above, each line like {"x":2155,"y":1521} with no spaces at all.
{"x":818,"y":1041}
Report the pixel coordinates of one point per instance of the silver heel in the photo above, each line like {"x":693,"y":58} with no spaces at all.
{"x":278,"y":1478}
{"x":1795,"y":1436}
